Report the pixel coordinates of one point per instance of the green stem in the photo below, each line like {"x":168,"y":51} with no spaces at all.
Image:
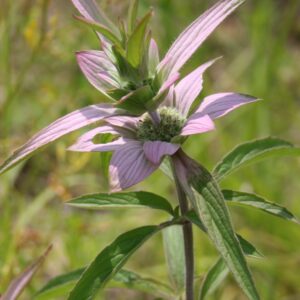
{"x":188,"y":239}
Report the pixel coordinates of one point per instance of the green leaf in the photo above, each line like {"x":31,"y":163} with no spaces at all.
{"x":132,"y":15}
{"x":246,"y":199}
{"x":123,"y":33}
{"x":136,"y":101}
{"x":105,"y":157}
{"x":61,"y":285}
{"x":213,"y":278}
{"x":247,"y":247}
{"x":19,"y":283}
{"x":136,"y":40}
{"x":110,"y":261}
{"x":126,"y":70}
{"x":166,"y":168}
{"x":219,"y":271}
{"x":132,"y":280}
{"x":253,"y":151}
{"x":174,"y":253}
{"x":212,"y":210}
{"x":130,"y":199}
{"x":105,"y":31}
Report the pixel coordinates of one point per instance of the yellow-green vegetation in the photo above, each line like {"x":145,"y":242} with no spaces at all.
{"x":40,"y":81}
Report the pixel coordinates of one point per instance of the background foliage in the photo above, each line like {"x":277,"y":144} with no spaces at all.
{"x":40,"y":81}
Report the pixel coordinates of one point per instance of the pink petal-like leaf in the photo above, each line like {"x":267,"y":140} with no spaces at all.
{"x":90,"y":10}
{"x":129,"y":166}
{"x":168,"y":83}
{"x":98,"y":70}
{"x":59,"y":128}
{"x":163,"y":94}
{"x":125,"y":122}
{"x":170,"y":99}
{"x":153,"y":59}
{"x":156,"y":150}
{"x":85,"y":142}
{"x":194,"y":35}
{"x":197,"y":123}
{"x":218,"y":105}
{"x":19,"y":283}
{"x":187,"y":90}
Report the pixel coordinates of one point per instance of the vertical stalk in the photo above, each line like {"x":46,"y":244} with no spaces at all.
{"x":188,"y":239}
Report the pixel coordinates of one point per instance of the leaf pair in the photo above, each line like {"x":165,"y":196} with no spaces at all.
{"x":112,"y":258}
{"x":60,"y":285}
{"x":212,"y":209}
{"x":134,"y":199}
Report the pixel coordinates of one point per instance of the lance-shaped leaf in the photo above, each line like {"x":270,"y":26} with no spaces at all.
{"x":59,"y":128}
{"x":252,"y":200}
{"x":194,"y":35}
{"x":18,"y":284}
{"x":136,"y":40}
{"x":110,"y":261}
{"x":213,"y":278}
{"x":132,"y":280}
{"x":132,"y":15}
{"x":250,"y":152}
{"x":174,"y":253}
{"x":214,"y":214}
{"x":62,"y":284}
{"x":219,"y":271}
{"x":59,"y":285}
{"x":247,"y":247}
{"x":114,"y":200}
{"x":211,"y":208}
{"x":153,"y":58}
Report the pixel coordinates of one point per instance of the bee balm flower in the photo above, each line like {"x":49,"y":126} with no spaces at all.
{"x":143,"y":141}
{"x":128,"y":72}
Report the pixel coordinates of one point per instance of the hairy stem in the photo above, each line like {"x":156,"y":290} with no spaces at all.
{"x":188,"y":239}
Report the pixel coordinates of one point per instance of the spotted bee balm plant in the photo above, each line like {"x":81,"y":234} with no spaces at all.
{"x":151,"y":114}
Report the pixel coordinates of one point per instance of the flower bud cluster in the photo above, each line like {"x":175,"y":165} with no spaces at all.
{"x":170,"y":125}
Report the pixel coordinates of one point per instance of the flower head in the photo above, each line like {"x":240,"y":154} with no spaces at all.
{"x":151,"y":111}
{"x":143,"y":141}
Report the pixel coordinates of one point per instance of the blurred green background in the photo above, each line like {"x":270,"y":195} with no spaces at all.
{"x":40,"y":81}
